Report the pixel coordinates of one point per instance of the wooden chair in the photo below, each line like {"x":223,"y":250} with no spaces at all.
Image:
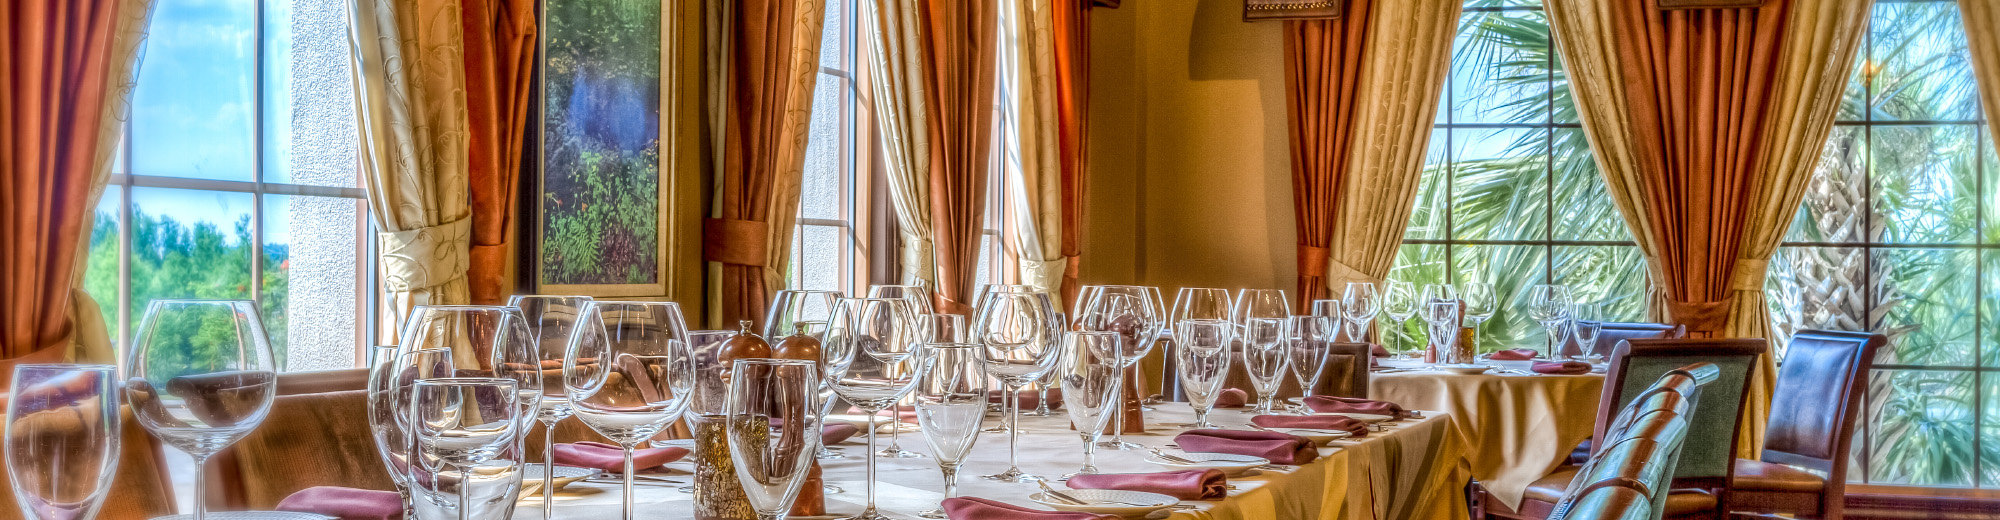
{"x":1345,"y":375}
{"x":1610,"y":333}
{"x":1630,"y":479}
{"x":1811,"y":430}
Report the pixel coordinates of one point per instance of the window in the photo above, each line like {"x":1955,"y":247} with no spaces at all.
{"x":1895,"y":235}
{"x":1510,"y":194}
{"x":236,"y":179}
{"x":824,"y":247}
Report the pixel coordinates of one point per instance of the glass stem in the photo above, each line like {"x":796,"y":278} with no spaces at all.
{"x":1089,"y":454}
{"x":464,"y":493}
{"x":1013,"y":428}
{"x":896,"y":426}
{"x":628,"y":482}
{"x":871,"y":471}
{"x":200,"y":487}
{"x":1200,"y":417}
{"x":1042,"y":400}
{"x":950,"y":480}
{"x":548,"y":469}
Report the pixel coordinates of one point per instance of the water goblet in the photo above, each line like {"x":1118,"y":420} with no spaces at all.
{"x":789,"y":308}
{"x":1201,"y":351}
{"x":874,"y":342}
{"x":1134,"y":314}
{"x":200,"y":376}
{"x":1090,"y":383}
{"x":1550,"y":305}
{"x":550,"y":321}
{"x":629,"y":372}
{"x":1480,"y":303}
{"x":462,"y":427}
{"x":62,"y":439}
{"x":1400,"y":303}
{"x":1308,"y":340}
{"x":1443,"y":319}
{"x":1020,"y":331}
{"x":1359,"y":304}
{"x":486,"y":341}
{"x":950,"y":402}
{"x":1264,"y":357}
{"x":390,"y":380}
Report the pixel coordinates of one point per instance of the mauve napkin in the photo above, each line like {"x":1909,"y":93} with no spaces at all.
{"x":1232,"y":398}
{"x":1331,"y":404}
{"x":345,"y":503}
{"x":1519,"y":354}
{"x":1280,"y":448}
{"x":1564,"y":368}
{"x":1194,"y":484}
{"x":1313,"y":422}
{"x":968,"y":508}
{"x":610,"y":458}
{"x":836,"y":432}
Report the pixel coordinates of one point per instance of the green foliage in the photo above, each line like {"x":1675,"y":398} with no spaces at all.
{"x":601,"y":146}
{"x":611,"y":212}
{"x":170,"y":259}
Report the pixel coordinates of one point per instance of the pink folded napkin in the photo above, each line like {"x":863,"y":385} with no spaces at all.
{"x":610,"y":458}
{"x":968,"y":508}
{"x":1313,"y":422}
{"x":1028,"y":399}
{"x":1232,"y":398}
{"x":1194,"y":484}
{"x":836,"y":432}
{"x":1280,"y":448}
{"x":1331,"y":404}
{"x":1519,"y":354}
{"x":1564,"y":368}
{"x":345,"y":503}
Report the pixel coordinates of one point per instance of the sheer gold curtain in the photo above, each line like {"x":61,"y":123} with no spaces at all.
{"x":409,"y":96}
{"x":1982,"y":27}
{"x":90,"y":340}
{"x":896,"y":69}
{"x":1037,"y":191}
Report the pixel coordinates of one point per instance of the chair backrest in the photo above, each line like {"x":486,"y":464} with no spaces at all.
{"x":1631,"y":477}
{"x":1709,"y":461}
{"x":1612,"y":332}
{"x":1346,"y":372}
{"x":1818,"y":400}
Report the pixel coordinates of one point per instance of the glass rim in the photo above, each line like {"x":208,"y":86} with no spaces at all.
{"x":455,"y":307}
{"x":776,"y":362}
{"x":597,"y":302}
{"x":810,"y":291}
{"x":85,"y":367}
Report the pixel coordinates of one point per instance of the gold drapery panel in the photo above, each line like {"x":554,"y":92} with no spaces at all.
{"x":896,"y":79}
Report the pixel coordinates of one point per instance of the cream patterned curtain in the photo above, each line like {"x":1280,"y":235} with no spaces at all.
{"x":1405,"y":67}
{"x":1037,"y":190}
{"x":88,"y":340}
{"x":1982,"y":27}
{"x":409,"y":96}
{"x":895,"y":65}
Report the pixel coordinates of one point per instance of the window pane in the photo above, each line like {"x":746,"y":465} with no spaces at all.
{"x":1922,"y":429}
{"x":1989,"y":456}
{"x":1427,"y":217}
{"x":1584,"y":209}
{"x":1816,"y":288}
{"x":1989,"y":314}
{"x":1500,"y":68}
{"x":1418,"y":264}
{"x":1500,"y":184}
{"x":192,"y":108}
{"x":1925,"y":300}
{"x":1925,"y":72}
{"x":820,"y":189}
{"x":1511,"y":270}
{"x":313,"y":269}
{"x":1611,"y":277}
{"x":276,"y":86}
{"x":1836,"y":198}
{"x":188,"y":244}
{"x":1923,"y":180}
{"x":100,"y":276}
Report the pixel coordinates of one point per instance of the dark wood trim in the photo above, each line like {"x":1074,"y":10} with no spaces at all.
{"x":1879,"y":502}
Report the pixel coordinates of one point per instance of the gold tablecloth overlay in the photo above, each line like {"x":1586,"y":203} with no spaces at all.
{"x":1515,"y":428}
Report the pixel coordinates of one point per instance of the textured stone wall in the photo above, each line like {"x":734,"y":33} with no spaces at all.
{"x":325,"y":310}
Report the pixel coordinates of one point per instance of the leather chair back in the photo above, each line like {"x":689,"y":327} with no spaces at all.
{"x":1631,"y":477}
{"x":1610,"y":333}
{"x":1710,"y":457}
{"x":1817,"y":401}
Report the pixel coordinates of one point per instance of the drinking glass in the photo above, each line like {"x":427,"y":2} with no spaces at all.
{"x":773,"y":427}
{"x":1437,"y":292}
{"x":629,"y":372}
{"x":874,"y":341}
{"x":1330,"y":309}
{"x":1549,"y":304}
{"x":1134,"y":314}
{"x":486,"y":341}
{"x":946,"y":328}
{"x":390,"y":380}
{"x":550,"y":321}
{"x":1021,"y":333}
{"x":1264,"y":358}
{"x":1585,"y":323}
{"x":1443,"y":319}
{"x":1359,"y":304}
{"x":200,"y":376}
{"x":1307,"y":342}
{"x":1202,"y":303}
{"x":1400,"y":303}
{"x":62,"y":439}
{"x":918,"y":297}
{"x":950,"y":402}
{"x":1041,"y":399}
{"x":463,"y":428}
{"x":789,"y":308}
{"x":1090,"y":381}
{"x":1480,"y":304}
{"x":1260,"y":303}
{"x":1201,"y":351}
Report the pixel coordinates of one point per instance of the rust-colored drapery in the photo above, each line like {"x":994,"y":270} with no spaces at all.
{"x":1071,"y":30}
{"x":1322,"y":74}
{"x":773,"y":61}
{"x":499,"y":75}
{"x":1982,"y":30}
{"x":958,"y":50}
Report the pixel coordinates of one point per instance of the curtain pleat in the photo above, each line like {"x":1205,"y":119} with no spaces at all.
{"x":410,"y":111}
{"x":1322,"y":73}
{"x":958,"y":50}
{"x":1071,"y":32}
{"x":1037,"y":242}
{"x":499,"y":77}
{"x":1982,"y":30}
{"x":896,"y":79}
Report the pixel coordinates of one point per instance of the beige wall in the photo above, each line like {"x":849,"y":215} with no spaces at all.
{"x":1190,"y":182}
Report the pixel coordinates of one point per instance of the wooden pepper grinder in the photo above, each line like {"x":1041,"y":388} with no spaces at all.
{"x":812,"y":495}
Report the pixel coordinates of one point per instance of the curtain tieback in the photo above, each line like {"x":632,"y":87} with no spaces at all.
{"x":740,"y":242}
{"x":1749,"y":274}
{"x":425,"y":257}
{"x":1312,"y":261}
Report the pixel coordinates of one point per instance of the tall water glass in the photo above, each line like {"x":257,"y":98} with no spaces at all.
{"x":1201,"y":351}
{"x":1585,"y":323}
{"x":1443,"y":319}
{"x":1021,"y":333}
{"x":465,"y":431}
{"x":875,"y":343}
{"x":1400,"y":302}
{"x":773,"y":429}
{"x":1090,"y":381}
{"x":1134,"y":314}
{"x":789,"y":308}
{"x":1264,"y":357}
{"x":1308,"y":339}
{"x":550,"y":321}
{"x":62,"y":439}
{"x":200,"y":376}
{"x":1481,"y":301}
{"x":1550,"y":305}
{"x":950,"y":402}
{"x":389,"y":383}
{"x":629,"y":373}
{"x":1359,"y":304}
{"x":486,"y":341}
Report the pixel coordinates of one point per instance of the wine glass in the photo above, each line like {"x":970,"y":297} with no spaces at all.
{"x":1443,"y":319}
{"x":1359,"y":304}
{"x":789,"y":308}
{"x":1090,"y":381}
{"x":1260,"y":303}
{"x":773,"y":428}
{"x":946,"y":328}
{"x":874,"y":341}
{"x":1480,"y":304}
{"x":550,"y":321}
{"x":1202,"y":303}
{"x":62,"y":439}
{"x":1264,"y":357}
{"x":950,"y":402}
{"x":629,"y":372}
{"x":1549,"y":305}
{"x":1437,"y":292}
{"x":1331,"y":309}
{"x":1400,"y":303}
{"x":918,"y":297}
{"x":390,"y":380}
{"x":1020,"y":331}
{"x":1308,"y":340}
{"x":486,"y":341}
{"x":1201,"y":351}
{"x":462,"y":427}
{"x":1585,"y":323}
{"x":200,"y":376}
{"x":1134,"y":315}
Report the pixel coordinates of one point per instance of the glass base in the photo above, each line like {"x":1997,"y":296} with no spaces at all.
{"x":934,"y":513}
{"x":995,"y":429}
{"x":897,"y":452}
{"x":1014,"y":475}
{"x":826,"y":454}
{"x":1087,"y":470}
{"x":1037,"y":413}
{"x":870,"y":514}
{"x":1116,"y":444}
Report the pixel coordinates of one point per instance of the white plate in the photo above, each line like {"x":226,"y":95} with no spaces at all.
{"x":1231,"y":465}
{"x":1465,"y":369}
{"x":882,"y":424}
{"x":686,"y":444}
{"x":1318,"y":436}
{"x":1157,"y":502}
{"x":1363,"y":417}
{"x":252,"y":515}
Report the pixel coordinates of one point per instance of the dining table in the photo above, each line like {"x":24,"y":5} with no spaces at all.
{"x":1517,"y":425}
{"x":1412,"y":469}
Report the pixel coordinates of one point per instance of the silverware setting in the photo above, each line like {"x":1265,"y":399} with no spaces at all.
{"x":1060,"y":496}
{"x":1170,"y":458}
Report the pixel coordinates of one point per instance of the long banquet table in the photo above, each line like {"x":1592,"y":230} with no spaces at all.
{"x":1516,"y":428}
{"x":1414,"y":470}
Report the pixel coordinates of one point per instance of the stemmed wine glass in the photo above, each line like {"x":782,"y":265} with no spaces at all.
{"x":876,"y":343}
{"x":1359,"y":304}
{"x":1480,"y":304}
{"x":1020,"y":331}
{"x":460,"y":426}
{"x":550,"y":321}
{"x":1585,"y":324}
{"x":773,"y":425}
{"x":1134,"y":314}
{"x":1201,"y":351}
{"x":789,"y":308}
{"x":486,"y":341}
{"x":1437,"y":292}
{"x":1202,"y":303}
{"x":1400,"y":303}
{"x":62,"y":439}
{"x":1332,"y":310}
{"x":950,"y":402}
{"x":629,"y":372}
{"x":1091,"y":387}
{"x":1443,"y":319}
{"x":200,"y":377}
{"x":918,"y":297}
{"x":390,"y":380}
{"x":1307,"y":342}
{"x":1549,"y":304}
{"x":1261,"y":303}
{"x":1264,"y":357}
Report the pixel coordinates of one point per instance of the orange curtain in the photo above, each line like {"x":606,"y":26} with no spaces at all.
{"x":1322,"y":74}
{"x":1072,"y":53}
{"x":499,"y":75}
{"x":959,"y":43}
{"x":57,"y":57}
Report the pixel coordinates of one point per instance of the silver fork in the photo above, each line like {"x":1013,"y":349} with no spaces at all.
{"x":1170,"y":458}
